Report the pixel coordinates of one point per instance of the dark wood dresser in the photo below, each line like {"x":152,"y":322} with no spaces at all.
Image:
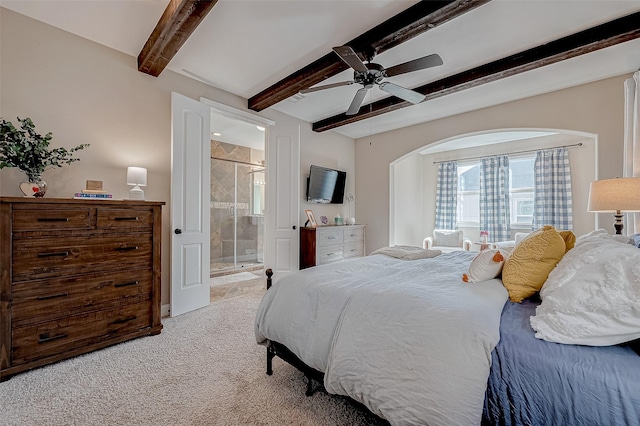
{"x":75,"y":276}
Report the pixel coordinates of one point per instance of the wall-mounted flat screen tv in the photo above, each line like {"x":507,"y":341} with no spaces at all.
{"x":325,"y":185}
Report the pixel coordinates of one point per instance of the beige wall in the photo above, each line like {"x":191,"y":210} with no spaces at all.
{"x":595,"y":108}
{"x":84,"y":92}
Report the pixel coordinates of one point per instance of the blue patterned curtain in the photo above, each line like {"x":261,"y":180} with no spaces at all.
{"x":552,"y":205}
{"x":447,"y":195}
{"x":495,"y":215}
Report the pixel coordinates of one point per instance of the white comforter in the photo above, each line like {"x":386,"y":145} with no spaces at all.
{"x":408,"y":339}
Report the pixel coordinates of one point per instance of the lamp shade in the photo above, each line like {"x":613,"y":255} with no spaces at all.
{"x":614,"y":195}
{"x":137,"y":176}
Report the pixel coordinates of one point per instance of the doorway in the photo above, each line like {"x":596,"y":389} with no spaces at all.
{"x":237,"y":213}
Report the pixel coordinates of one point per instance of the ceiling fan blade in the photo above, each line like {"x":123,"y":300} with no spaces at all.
{"x":326,"y":86}
{"x":357,"y":101}
{"x":347,"y":54}
{"x":403,"y":93}
{"x":415,"y":65}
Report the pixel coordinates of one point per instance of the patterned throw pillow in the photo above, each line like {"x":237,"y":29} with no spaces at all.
{"x":485,"y":266}
{"x":528,"y":267}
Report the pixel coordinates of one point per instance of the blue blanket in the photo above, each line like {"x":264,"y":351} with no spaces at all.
{"x":534,"y":382}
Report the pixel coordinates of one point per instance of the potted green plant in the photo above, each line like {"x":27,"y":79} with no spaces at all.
{"x":29,"y":151}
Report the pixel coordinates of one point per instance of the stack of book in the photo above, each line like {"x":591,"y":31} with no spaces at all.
{"x":96,"y":194}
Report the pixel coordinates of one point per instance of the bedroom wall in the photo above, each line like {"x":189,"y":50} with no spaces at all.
{"x":595,"y":108}
{"x":84,"y":92}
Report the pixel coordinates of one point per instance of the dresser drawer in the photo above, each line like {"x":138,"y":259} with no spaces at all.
{"x":330,"y":254}
{"x":351,"y":235}
{"x":51,"y":218}
{"x":35,"y":258}
{"x":327,"y":237}
{"x":119,"y":218}
{"x":355,"y":249}
{"x":54,"y":337}
{"x":45,"y":300}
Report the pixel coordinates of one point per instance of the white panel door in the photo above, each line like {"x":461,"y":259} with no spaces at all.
{"x":283,"y":200}
{"x":190,"y":210}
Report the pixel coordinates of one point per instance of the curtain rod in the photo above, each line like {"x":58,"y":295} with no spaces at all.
{"x":510,"y":153}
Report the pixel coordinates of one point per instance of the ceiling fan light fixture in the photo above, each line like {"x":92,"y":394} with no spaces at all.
{"x":370,"y":74}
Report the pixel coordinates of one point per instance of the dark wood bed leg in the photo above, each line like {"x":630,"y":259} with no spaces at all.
{"x":271,"y":352}
{"x":269,"y":273}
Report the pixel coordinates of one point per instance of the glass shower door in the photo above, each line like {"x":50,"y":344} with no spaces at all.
{"x":236,"y":230}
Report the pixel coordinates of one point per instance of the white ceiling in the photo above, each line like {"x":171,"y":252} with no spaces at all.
{"x":244,"y":46}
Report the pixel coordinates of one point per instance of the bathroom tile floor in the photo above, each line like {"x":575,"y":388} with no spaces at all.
{"x":239,"y":288}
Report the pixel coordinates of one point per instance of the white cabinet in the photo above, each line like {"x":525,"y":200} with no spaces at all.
{"x":328,"y":244}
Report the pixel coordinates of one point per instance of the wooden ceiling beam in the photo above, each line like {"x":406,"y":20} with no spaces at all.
{"x":178,"y":21}
{"x":414,"y":21}
{"x":587,"y":41}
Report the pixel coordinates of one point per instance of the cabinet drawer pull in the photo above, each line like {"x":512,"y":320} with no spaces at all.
{"x":126,"y":284}
{"x":352,"y":235}
{"x":331,"y":237}
{"x":123,"y":320}
{"x":127,"y":218}
{"x":127,"y":248}
{"x":44,"y":337}
{"x":53,"y":219}
{"x":330,"y":254}
{"x":55,"y":253}
{"x":53,"y":296}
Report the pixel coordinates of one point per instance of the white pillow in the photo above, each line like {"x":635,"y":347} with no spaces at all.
{"x":592,"y":297}
{"x":447,"y":238}
{"x":485,"y":266}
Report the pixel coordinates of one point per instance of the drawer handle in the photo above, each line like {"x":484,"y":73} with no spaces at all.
{"x":126,"y":218}
{"x":123,"y":320}
{"x":53,"y":254}
{"x":44,"y":337}
{"x":53,"y":296}
{"x":330,"y":254}
{"x":129,"y":248}
{"x":126,"y":284}
{"x":352,"y":235}
{"x":53,"y":219}
{"x":331,"y":237}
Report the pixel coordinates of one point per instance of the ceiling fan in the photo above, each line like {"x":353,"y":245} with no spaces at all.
{"x":371,"y":73}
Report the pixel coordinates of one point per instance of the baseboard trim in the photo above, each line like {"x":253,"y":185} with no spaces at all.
{"x":164,"y":311}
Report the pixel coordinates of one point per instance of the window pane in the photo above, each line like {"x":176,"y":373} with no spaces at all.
{"x":469,"y":207}
{"x":469,"y":177}
{"x":522,"y":172}
{"x":522,"y":207}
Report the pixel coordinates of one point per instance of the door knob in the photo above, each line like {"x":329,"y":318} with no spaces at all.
{"x":178,"y":231}
{"x":293,"y":227}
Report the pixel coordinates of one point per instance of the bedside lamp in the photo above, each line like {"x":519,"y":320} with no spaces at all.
{"x":136,"y":176}
{"x":617,"y":196}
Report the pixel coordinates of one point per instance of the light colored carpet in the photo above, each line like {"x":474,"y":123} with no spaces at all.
{"x":233,"y":278}
{"x":203,"y":369}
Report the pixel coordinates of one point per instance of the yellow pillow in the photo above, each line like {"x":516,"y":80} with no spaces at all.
{"x":569,"y":239}
{"x":528,"y":267}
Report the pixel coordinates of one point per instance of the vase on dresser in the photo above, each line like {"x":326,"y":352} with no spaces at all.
{"x":35,"y":188}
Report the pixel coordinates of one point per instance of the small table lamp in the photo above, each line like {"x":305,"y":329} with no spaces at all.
{"x":136,"y":176}
{"x":617,"y":196}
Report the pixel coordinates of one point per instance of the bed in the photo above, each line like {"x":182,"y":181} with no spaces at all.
{"x":539,"y":383}
{"x":415,"y":344}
